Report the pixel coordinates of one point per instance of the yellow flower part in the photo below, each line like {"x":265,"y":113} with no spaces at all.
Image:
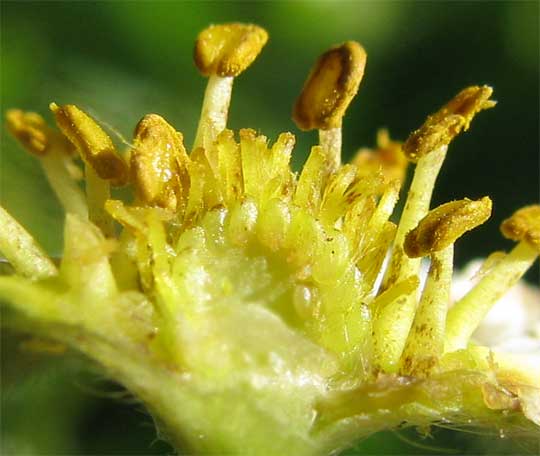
{"x":249,"y":306}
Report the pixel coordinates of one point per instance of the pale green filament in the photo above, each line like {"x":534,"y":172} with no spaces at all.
{"x":416,"y":207}
{"x":330,"y":140}
{"x":97,"y":192}
{"x":467,"y":313}
{"x":426,"y":339}
{"x":66,"y":189}
{"x":215,"y":108}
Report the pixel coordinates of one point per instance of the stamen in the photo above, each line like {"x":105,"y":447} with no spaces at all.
{"x":222,"y":52}
{"x":53,"y":150}
{"x":103,"y":164}
{"x":159,"y":164}
{"x":22,"y":251}
{"x":427,"y":146}
{"x":330,"y":87}
{"x":465,"y":316}
{"x":435,"y":236}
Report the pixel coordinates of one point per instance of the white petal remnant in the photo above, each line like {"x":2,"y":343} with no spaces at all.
{"x":513,"y":323}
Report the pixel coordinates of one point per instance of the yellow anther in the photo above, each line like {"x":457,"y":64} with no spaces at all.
{"x":94,"y":145}
{"x":443,"y":225}
{"x":228,"y":49}
{"x":159,"y":163}
{"x":388,"y":156}
{"x":31,"y":130}
{"x":442,"y":127}
{"x":468,"y":103}
{"x":524,"y":225}
{"x":432,"y":136}
{"x":391,"y":155}
{"x":330,"y":87}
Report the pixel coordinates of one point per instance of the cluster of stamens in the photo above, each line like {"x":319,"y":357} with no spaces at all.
{"x":324,"y":233}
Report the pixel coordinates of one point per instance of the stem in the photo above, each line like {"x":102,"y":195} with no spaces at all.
{"x":97,"y":192}
{"x":465,"y":316}
{"x":416,"y":207}
{"x":22,"y":251}
{"x":330,"y":140}
{"x":66,"y":189}
{"x":215,"y":108}
{"x":426,"y":339}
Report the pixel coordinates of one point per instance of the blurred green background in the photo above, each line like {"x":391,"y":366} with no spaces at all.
{"x":120,"y":60}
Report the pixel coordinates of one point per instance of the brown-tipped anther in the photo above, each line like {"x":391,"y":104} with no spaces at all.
{"x":30,"y":129}
{"x":228,"y":49}
{"x":524,"y":226}
{"x":33,"y":133}
{"x":159,"y":163}
{"x":442,"y":127}
{"x":388,"y":156}
{"x":432,"y":136}
{"x":94,"y":145}
{"x":445,"y":224}
{"x":330,"y":87}
{"x":468,"y":103}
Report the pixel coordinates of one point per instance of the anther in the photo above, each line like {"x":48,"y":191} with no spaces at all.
{"x":226,"y":50}
{"x":94,"y":145}
{"x":30,"y":129}
{"x":222,"y":52}
{"x":388,"y":156}
{"x":465,"y":316}
{"x":443,"y":126}
{"x":159,"y":163}
{"x":330,"y":87}
{"x":524,"y":226}
{"x":443,"y":225}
